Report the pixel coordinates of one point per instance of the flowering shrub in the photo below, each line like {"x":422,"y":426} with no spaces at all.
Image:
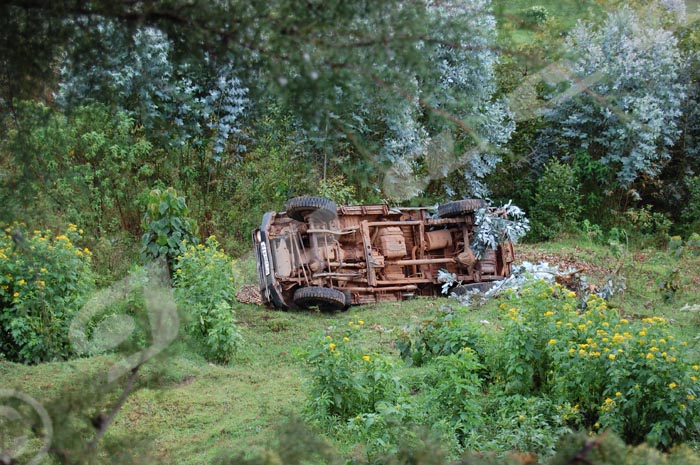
{"x":347,"y":381}
{"x":204,"y":279}
{"x":44,"y":281}
{"x":632,"y":376}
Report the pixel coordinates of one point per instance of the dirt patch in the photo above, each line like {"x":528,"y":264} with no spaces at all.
{"x":249,"y":294}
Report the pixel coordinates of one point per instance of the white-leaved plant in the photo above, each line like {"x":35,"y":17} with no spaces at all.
{"x":627,"y":105}
{"x":494,"y":226}
{"x":419,"y":137}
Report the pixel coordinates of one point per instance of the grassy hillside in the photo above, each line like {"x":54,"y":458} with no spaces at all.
{"x":193,"y":409}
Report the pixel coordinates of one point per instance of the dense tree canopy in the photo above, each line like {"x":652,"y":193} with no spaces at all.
{"x":379,"y":77}
{"x":626,"y":113}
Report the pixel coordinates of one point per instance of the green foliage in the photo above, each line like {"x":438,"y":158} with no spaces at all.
{"x":647,"y":226}
{"x":443,"y":333}
{"x":86,"y":167}
{"x":338,"y":190}
{"x":557,"y":202}
{"x":168,"y":228}
{"x":266,"y":177}
{"x":522,"y":423}
{"x":44,"y":281}
{"x":382,"y":431}
{"x":346,"y":380}
{"x":204,"y":290}
{"x":534,"y":16}
{"x":690,"y":211}
{"x":669,"y":284}
{"x":679,"y":249}
{"x":604,"y":365}
{"x":454,"y":391}
{"x":520,"y":359}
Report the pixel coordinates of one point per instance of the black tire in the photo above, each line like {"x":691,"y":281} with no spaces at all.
{"x":299,"y":208}
{"x":460,"y":207}
{"x":326,"y":299}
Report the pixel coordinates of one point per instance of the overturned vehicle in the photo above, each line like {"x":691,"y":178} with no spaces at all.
{"x":317,"y":254}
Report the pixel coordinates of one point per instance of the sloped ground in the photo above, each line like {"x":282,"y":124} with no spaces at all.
{"x":193,"y":408}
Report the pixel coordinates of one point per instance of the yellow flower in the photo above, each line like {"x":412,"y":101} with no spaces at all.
{"x":696,"y":367}
{"x":552,"y":341}
{"x":43,"y":270}
{"x":618,"y":394}
{"x":351,"y":323}
{"x":328,"y":337}
{"x":611,"y":356}
{"x":365,"y":358}
{"x":331,"y":346}
{"x":346,"y":339}
{"x":15,"y":295}
{"x":86,"y":250}
{"x":548,"y":313}
{"x":690,"y":397}
{"x":41,"y":283}
{"x":360,"y":322}
{"x":571,"y":294}
{"x":672,"y":386}
{"x":650,"y":356}
{"x":22,"y":282}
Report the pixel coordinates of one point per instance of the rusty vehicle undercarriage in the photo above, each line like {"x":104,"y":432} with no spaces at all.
{"x":317,"y":254}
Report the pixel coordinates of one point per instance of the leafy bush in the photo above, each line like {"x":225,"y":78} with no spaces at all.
{"x":338,"y":190}
{"x":168,"y":229}
{"x":557,"y":202}
{"x":649,"y":227}
{"x":86,"y":167}
{"x":346,"y":381}
{"x":204,"y":290}
{"x":528,"y":424}
{"x":680,"y":249}
{"x":454,"y":392}
{"x":439,"y":335}
{"x":44,"y":281}
{"x":605,"y":365}
{"x":534,"y":16}
{"x":690,"y":211}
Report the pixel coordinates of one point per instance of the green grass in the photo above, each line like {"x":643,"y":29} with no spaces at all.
{"x":192,"y":408}
{"x":513,"y":28}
